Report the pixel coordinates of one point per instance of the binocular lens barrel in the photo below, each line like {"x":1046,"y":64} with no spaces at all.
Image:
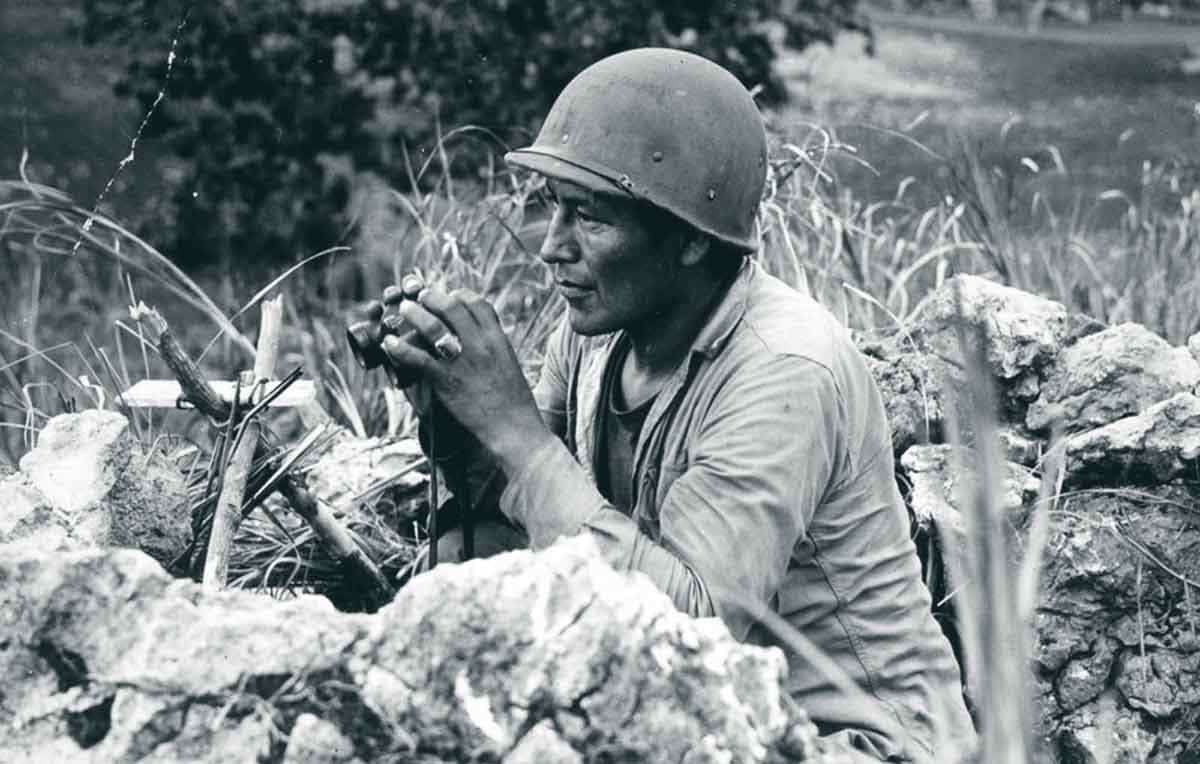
{"x":364,"y":338}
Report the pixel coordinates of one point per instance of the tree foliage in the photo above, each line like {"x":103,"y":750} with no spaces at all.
{"x":272,"y":106}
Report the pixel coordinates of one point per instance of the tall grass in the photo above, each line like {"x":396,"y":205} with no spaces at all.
{"x":1116,"y":257}
{"x":66,"y":282}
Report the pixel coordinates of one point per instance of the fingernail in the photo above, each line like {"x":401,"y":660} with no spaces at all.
{"x":412,"y":283}
{"x":391,"y":342}
{"x":392,"y":295}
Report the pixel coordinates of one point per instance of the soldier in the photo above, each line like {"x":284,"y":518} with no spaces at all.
{"x":706,"y":424}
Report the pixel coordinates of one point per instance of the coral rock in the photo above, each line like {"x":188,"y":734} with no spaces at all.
{"x":353,"y":465}
{"x":1103,"y":732}
{"x":316,"y":741}
{"x":1021,"y":331}
{"x":942,"y":481}
{"x":540,"y":744}
{"x":523,"y":657}
{"x":89,"y":483}
{"x":27,"y":516}
{"x":917,"y":388}
{"x":1106,"y":376}
{"x":1116,"y":626}
{"x":1156,"y":446}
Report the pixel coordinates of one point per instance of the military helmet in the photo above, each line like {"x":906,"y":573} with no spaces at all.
{"x":664,"y":126}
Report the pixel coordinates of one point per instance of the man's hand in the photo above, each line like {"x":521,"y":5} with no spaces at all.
{"x":473,"y":370}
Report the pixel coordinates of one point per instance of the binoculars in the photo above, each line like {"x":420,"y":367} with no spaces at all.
{"x":366,"y":337}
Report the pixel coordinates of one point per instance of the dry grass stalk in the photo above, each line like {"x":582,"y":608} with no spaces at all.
{"x":228,"y":514}
{"x":997,"y":638}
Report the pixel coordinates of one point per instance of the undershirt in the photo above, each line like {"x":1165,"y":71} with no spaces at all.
{"x":619,"y":428}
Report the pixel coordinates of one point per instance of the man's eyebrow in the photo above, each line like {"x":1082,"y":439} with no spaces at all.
{"x":576,"y":197}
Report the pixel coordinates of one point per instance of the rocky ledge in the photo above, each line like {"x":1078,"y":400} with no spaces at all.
{"x":520,"y":658}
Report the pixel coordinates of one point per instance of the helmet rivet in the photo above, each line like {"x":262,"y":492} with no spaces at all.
{"x":712,"y":194}
{"x":566,"y":137}
{"x":656,"y":156}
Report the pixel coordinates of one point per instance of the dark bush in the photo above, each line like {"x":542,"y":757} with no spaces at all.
{"x":273,"y":106}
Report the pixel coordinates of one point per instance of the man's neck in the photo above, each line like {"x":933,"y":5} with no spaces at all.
{"x":662,"y":343}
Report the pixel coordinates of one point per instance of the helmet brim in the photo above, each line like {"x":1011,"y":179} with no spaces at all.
{"x":551,"y":166}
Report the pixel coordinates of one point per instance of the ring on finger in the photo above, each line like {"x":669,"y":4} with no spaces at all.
{"x":449,"y":346}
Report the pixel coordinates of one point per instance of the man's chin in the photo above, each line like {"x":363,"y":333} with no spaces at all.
{"x":588,"y":325}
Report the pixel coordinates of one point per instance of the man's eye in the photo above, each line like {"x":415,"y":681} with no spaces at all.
{"x":585,"y":217}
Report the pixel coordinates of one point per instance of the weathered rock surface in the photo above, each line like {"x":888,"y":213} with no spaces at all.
{"x":1118,"y":648}
{"x":942,"y":482}
{"x":1158,"y":446}
{"x":1021,"y":331}
{"x":917,"y":389}
{"x":923,"y":373}
{"x":316,"y":741}
{"x":351,"y":466}
{"x":79,"y":458}
{"x":553,"y":654}
{"x":1117,"y":658}
{"x":89,"y":483}
{"x":1106,"y":376}
{"x":27,"y":515}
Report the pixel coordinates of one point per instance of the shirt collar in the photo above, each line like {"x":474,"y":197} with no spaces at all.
{"x":729,"y":311}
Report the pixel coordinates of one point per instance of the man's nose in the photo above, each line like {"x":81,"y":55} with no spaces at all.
{"x":558,"y":246}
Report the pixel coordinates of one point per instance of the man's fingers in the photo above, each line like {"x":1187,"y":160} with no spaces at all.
{"x":481,"y":309}
{"x":455,"y":309}
{"x":432,"y":329}
{"x":410,"y":286}
{"x":406,"y":356}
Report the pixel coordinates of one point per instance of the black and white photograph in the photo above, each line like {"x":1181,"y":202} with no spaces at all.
{"x":600,"y":381}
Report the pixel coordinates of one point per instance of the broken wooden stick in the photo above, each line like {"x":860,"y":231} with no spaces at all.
{"x":228,"y":513}
{"x":333,"y":536}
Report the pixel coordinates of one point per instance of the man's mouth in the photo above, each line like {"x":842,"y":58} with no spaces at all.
{"x":573,"y":291}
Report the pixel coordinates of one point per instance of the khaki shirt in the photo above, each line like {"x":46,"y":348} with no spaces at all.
{"x":764,"y":476}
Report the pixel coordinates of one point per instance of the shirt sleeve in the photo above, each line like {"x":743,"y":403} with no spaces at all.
{"x":758,"y":467}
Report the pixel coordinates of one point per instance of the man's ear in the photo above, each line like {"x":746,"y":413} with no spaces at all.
{"x":695,"y":250}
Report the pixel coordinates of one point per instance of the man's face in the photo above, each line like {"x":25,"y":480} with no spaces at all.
{"x":610,"y":261}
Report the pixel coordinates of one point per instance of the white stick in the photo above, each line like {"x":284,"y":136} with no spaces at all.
{"x":228,"y":513}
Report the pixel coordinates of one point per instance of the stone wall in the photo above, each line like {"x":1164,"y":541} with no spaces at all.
{"x":1117,"y":653}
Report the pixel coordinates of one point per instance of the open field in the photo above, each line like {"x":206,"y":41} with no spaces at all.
{"x":1087,"y":112}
